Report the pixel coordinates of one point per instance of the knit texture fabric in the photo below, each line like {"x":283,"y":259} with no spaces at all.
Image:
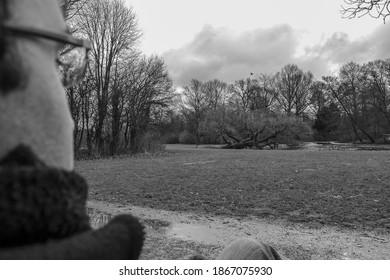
{"x":40,"y":205}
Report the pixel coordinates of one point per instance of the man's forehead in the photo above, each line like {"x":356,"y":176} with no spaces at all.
{"x":42,"y":14}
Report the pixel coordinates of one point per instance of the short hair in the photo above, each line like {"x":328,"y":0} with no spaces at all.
{"x":11,"y":70}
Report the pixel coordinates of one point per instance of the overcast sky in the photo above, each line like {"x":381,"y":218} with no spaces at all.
{"x":229,"y":39}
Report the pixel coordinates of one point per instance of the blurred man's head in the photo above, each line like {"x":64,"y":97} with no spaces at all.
{"x":33,"y":106}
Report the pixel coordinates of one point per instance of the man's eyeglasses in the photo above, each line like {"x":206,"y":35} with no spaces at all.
{"x":72,"y":60}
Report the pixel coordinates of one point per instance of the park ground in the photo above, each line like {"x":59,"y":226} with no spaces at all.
{"x":312,"y":203}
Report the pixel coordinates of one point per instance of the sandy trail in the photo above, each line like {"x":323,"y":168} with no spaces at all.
{"x":288,"y":238}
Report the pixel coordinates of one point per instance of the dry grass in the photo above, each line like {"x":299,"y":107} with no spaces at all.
{"x":339,"y":188}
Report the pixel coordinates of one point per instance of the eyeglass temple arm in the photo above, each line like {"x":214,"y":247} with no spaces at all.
{"x":63,"y":38}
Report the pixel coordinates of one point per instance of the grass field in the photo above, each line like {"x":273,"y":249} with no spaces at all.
{"x":338,"y":188}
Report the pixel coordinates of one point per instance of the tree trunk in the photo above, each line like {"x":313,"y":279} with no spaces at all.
{"x":115,"y":122}
{"x":353,"y":120}
{"x":134,"y":143}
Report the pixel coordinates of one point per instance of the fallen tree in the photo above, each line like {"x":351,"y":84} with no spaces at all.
{"x":239,"y":129}
{"x":253,"y":141}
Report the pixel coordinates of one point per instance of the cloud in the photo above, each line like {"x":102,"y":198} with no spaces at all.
{"x":223,"y":54}
{"x":339,"y":49}
{"x":380,"y":40}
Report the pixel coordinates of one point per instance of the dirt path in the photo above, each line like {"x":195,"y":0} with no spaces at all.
{"x":295,"y":241}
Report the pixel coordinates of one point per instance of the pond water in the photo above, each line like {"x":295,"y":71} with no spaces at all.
{"x":197,"y":233}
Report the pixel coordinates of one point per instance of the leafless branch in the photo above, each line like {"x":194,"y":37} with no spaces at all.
{"x":359,"y":8}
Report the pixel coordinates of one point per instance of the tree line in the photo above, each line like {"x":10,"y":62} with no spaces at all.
{"x":127,"y":102}
{"x":287,"y":107}
{"x":116,"y":107}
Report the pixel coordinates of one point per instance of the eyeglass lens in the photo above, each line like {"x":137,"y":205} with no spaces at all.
{"x":72,"y":63}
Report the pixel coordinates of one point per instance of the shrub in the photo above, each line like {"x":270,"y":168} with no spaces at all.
{"x":172,"y":138}
{"x":151,"y":142}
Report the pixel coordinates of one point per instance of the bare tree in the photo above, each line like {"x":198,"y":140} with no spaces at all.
{"x":293,"y":88}
{"x":147,"y":88}
{"x":216,"y":92}
{"x":257,"y":129}
{"x":79,"y":99}
{"x":319,"y":98}
{"x":113,"y":30}
{"x":359,"y":8}
{"x":345,"y":89}
{"x":378,"y":73}
{"x":117,"y":106}
{"x":266,"y":95}
{"x":254,"y":94}
{"x":195,"y":104}
{"x":242,"y":92}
